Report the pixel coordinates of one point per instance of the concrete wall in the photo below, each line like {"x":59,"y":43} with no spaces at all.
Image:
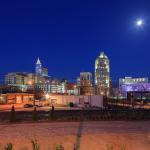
{"x":94,"y":100}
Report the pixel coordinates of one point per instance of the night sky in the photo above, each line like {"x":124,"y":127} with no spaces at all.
{"x":69,"y":35}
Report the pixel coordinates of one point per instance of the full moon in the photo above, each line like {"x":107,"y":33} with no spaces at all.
{"x":139,"y":22}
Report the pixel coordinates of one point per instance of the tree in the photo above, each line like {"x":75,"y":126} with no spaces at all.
{"x":39,"y":94}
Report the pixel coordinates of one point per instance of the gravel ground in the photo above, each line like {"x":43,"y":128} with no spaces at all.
{"x":87,"y":135}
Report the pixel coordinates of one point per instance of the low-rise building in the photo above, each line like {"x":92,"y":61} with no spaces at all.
{"x":129,"y":84}
{"x":16,"y":98}
{"x":81,"y":100}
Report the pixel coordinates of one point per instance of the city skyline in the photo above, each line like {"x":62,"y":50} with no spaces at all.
{"x":74,"y":75}
{"x":68,"y":38}
{"x":74,"y":79}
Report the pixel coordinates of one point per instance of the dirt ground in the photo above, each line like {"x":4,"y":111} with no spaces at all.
{"x":85,"y":135}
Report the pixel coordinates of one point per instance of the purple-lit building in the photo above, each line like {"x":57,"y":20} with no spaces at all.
{"x":129,"y":84}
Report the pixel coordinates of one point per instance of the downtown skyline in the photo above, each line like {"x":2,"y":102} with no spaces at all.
{"x":74,"y":75}
{"x":68,"y":38}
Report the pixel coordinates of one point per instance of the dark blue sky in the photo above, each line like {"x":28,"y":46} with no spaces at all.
{"x":69,"y":35}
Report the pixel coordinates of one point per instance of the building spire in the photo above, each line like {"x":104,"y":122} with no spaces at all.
{"x":38,"y":61}
{"x":102,"y":55}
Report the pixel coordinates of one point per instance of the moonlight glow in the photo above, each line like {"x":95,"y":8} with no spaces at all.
{"x":139,"y":22}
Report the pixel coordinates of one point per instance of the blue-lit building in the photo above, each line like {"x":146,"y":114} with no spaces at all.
{"x":40,"y":70}
{"x":39,"y":80}
{"x":129,"y":84}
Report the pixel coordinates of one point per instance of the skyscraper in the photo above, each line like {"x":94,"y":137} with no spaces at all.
{"x":38,"y":69}
{"x":85,"y":83}
{"x":102,"y":74}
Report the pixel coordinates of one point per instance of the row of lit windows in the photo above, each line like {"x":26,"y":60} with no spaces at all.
{"x":134,"y":80}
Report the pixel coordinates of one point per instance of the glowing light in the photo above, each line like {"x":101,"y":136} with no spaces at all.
{"x":30,"y":83}
{"x":139,"y":23}
{"x":102,"y":93}
{"x":47,"y":96}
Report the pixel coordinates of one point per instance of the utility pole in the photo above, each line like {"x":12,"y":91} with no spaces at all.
{"x":34,"y":88}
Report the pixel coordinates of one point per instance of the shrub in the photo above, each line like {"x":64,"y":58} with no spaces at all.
{"x":58,"y":147}
{"x":123,"y":148}
{"x":35,"y":145}
{"x":75,"y":147}
{"x":8,"y":146}
{"x":71,"y":104}
{"x":110,"y":147}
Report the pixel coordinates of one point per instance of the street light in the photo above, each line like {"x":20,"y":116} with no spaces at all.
{"x":47,"y":96}
{"x":34,"y":89}
{"x":31,"y":83}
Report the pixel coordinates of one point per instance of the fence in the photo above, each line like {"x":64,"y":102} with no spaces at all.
{"x":77,"y":115}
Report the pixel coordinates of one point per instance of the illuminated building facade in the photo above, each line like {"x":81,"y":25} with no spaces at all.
{"x":25,"y":81}
{"x":21,"y":80}
{"x":52,"y":86}
{"x":130,"y":80}
{"x":72,"y":89}
{"x":40,"y":70}
{"x":102,"y":75}
{"x":129,"y":84}
{"x":15,"y":78}
{"x":16,"y":98}
{"x":44,"y":72}
{"x":84,"y":82}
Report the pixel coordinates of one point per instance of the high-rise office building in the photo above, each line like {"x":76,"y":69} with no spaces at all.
{"x":85,"y":83}
{"x":40,"y":70}
{"x":102,"y":74}
{"x":86,"y":79}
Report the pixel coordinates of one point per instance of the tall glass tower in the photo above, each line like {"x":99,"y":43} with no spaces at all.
{"x":38,"y":69}
{"x":102,"y":74}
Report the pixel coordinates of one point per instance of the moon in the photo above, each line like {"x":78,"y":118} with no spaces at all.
{"x":139,"y":22}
